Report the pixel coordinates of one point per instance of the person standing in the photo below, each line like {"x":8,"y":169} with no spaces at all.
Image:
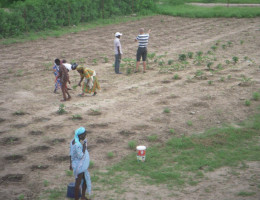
{"x":79,"y":163}
{"x":118,"y":52}
{"x":64,"y":78}
{"x":142,"y":39}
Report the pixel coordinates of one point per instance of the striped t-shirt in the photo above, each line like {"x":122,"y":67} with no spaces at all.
{"x":143,"y":40}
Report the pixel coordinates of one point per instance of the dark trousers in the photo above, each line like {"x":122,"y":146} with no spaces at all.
{"x":117,"y":63}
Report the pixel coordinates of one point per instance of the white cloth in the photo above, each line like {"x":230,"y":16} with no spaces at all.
{"x":67,"y":65}
{"x":116,"y":45}
{"x":90,"y":83}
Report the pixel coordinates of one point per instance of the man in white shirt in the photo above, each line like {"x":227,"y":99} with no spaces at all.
{"x":118,"y":52}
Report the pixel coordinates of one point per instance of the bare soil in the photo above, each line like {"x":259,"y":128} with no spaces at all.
{"x":35,"y":146}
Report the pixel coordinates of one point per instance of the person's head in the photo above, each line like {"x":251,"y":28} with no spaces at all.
{"x":117,"y":34}
{"x":64,"y":61}
{"x":141,"y":30}
{"x":80,"y":134}
{"x":74,"y":66}
{"x":57,"y":61}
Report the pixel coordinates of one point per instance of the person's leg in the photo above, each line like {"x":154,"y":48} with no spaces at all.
{"x":138,"y":57}
{"x":84,"y":187}
{"x":77,"y":185}
{"x":144,"y":55}
{"x":117,"y":63}
{"x":63,"y":89}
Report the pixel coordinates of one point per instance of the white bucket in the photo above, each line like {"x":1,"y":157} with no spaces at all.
{"x":141,"y":150}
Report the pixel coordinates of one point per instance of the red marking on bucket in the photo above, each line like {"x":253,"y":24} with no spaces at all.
{"x":141,"y":150}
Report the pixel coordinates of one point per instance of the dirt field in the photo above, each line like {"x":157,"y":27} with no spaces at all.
{"x":35,"y":146}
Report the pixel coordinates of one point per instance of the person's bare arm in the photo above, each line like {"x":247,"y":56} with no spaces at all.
{"x":81,"y":81}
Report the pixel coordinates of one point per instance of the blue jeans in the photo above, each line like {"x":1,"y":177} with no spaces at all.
{"x":117,"y":63}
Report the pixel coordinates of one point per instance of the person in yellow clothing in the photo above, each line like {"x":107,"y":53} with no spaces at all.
{"x":91,"y":83}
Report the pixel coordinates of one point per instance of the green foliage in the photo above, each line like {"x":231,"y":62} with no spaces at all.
{"x":110,"y":155}
{"x":132,"y":144}
{"x":69,"y":173}
{"x":235,"y":59}
{"x":190,"y":55}
{"x":61,"y":109}
{"x":77,"y":117}
{"x":247,"y":102}
{"x":256,"y":96}
{"x":21,"y":197}
{"x":182,"y":57}
{"x":152,"y":138}
{"x":36,"y":15}
{"x":166,"y":110}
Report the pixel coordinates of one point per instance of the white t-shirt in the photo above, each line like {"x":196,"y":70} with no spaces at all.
{"x":116,"y":45}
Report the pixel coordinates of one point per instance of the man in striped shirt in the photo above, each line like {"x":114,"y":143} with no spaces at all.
{"x":142,"y":39}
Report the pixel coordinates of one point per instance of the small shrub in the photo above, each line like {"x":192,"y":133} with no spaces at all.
{"x":128,"y":70}
{"x":152,"y":138}
{"x":227,"y":62}
{"x":21,"y":197}
{"x":198,"y":73}
{"x":19,"y":73}
{"x":229,"y":43}
{"x":182,"y":57}
{"x":241,"y":42}
{"x":190,"y":55}
{"x":110,"y":155}
{"x":189,"y":123}
{"x":170,"y":62}
{"x":214,"y":47}
{"x":247,"y":102}
{"x":166,"y":110}
{"x":176,"y":76}
{"x":171,"y":131}
{"x":210,"y":82}
{"x":222,"y":79}
{"x":235,"y":59}
{"x":77,"y":117}
{"x":132,"y":144}
{"x":209,"y":65}
{"x":45,"y":183}
{"x":74,"y":87}
{"x":229,"y":77}
{"x":94,"y":61}
{"x":161,"y":63}
{"x":256,"y":96}
{"x":61,"y":109}
{"x":105,"y":60}
{"x":224,"y":46}
{"x":19,"y":112}
{"x":91,"y":164}
{"x":199,"y":53}
{"x":69,"y":173}
{"x":219,"y":66}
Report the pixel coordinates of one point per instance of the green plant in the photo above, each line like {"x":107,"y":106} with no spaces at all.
{"x":151,"y":55}
{"x":241,"y":42}
{"x":229,"y":43}
{"x":166,"y":110}
{"x":247,"y":102}
{"x":172,"y":131}
{"x":132,"y":144}
{"x":189,"y":123}
{"x":128,"y":70}
{"x":224,"y":46}
{"x":235,"y":59}
{"x":94,"y":61}
{"x":161,"y":62}
{"x":91,"y":164}
{"x":21,"y":197}
{"x":214,"y":47}
{"x":45,"y":183}
{"x":152,"y":138}
{"x":19,"y":73}
{"x":77,"y":117}
{"x":222,"y":79}
{"x":219,"y":66}
{"x":210,"y":82}
{"x":69,"y":172}
{"x":256,"y":96}
{"x":19,"y":112}
{"x":170,"y":62}
{"x":110,"y":155}
{"x":105,"y":60}
{"x":176,"y":76}
{"x":227,"y":62}
{"x":190,"y":55}
{"x":199,"y":53}
{"x":198,"y":73}
{"x":229,"y":77}
{"x":246,"y":194}
{"x":61,"y":109}
{"x":209,"y":65}
{"x":182,"y":57}
{"x":74,"y":87}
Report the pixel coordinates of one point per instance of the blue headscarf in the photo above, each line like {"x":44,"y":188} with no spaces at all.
{"x":78,"y":132}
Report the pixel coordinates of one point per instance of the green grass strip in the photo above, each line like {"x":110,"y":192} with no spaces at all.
{"x":208,"y":12}
{"x":185,"y":160}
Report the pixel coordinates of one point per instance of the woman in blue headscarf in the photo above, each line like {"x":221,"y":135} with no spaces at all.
{"x":79,"y":163}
